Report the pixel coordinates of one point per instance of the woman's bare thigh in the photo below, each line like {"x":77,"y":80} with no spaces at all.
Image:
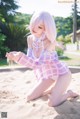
{"x":61,"y":85}
{"x":39,"y":89}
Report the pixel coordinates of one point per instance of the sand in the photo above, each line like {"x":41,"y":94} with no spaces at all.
{"x":14,"y":86}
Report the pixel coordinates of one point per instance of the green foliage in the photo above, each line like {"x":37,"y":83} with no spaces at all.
{"x":1,"y":18}
{"x":60,"y":52}
{"x":3,"y":51}
{"x":16,"y":37}
{"x":3,"y":48}
{"x":3,"y":62}
{"x":67,"y":39}
{"x":60,"y":38}
{"x":2,"y":38}
{"x":64,"y":25}
{"x":63,"y":39}
{"x":7,"y":9}
{"x":77,"y":15}
{"x":22,"y":19}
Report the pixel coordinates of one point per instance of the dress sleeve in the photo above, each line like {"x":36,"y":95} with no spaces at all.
{"x":27,"y":61}
{"x":29,"y":52}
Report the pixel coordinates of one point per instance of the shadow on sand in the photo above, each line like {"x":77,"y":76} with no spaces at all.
{"x":69,"y":109}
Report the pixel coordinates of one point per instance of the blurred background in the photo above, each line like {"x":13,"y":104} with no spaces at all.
{"x":15,"y":17}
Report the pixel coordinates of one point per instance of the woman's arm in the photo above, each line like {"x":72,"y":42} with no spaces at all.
{"x":16,"y":56}
{"x":29,"y":49}
{"x":22,"y":58}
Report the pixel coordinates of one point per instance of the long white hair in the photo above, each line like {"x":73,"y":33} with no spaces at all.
{"x":48,"y":22}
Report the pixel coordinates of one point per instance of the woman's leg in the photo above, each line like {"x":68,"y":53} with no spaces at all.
{"x":58,"y":93}
{"x":39,"y":88}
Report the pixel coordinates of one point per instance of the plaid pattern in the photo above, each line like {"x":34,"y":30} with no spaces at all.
{"x":27,"y":61}
{"x":47,"y":66}
{"x":51,"y":70}
{"x":46,"y":71}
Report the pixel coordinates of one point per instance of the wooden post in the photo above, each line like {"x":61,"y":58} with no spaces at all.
{"x":74,"y":21}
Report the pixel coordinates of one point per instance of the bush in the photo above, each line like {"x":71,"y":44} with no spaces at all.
{"x":16,"y":37}
{"x":3,"y":49}
{"x":60,"y":52}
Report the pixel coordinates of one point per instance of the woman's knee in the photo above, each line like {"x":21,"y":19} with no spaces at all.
{"x":52,"y":103}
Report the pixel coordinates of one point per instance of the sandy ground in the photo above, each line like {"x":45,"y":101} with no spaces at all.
{"x":15,"y":84}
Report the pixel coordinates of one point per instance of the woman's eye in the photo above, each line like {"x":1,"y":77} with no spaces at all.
{"x":40,"y":27}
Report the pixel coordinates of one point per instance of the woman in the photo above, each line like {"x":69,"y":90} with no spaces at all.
{"x":43,"y":59}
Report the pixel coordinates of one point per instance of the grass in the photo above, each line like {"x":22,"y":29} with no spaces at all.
{"x":3,"y":62}
{"x":71,"y":59}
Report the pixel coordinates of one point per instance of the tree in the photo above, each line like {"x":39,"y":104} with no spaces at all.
{"x":22,"y":19}
{"x":7,"y":9}
{"x":64,"y":25}
{"x":76,"y":19}
{"x":16,"y":37}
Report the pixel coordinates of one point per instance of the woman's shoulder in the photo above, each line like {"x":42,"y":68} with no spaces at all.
{"x":30,"y":37}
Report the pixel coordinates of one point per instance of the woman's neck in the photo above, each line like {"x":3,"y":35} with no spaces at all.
{"x":41,"y":38}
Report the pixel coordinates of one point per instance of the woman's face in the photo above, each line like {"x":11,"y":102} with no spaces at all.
{"x":38,"y":30}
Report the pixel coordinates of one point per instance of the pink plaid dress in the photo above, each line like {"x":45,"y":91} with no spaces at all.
{"x":46,"y":66}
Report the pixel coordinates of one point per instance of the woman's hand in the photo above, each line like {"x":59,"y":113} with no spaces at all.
{"x":15,"y":56}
